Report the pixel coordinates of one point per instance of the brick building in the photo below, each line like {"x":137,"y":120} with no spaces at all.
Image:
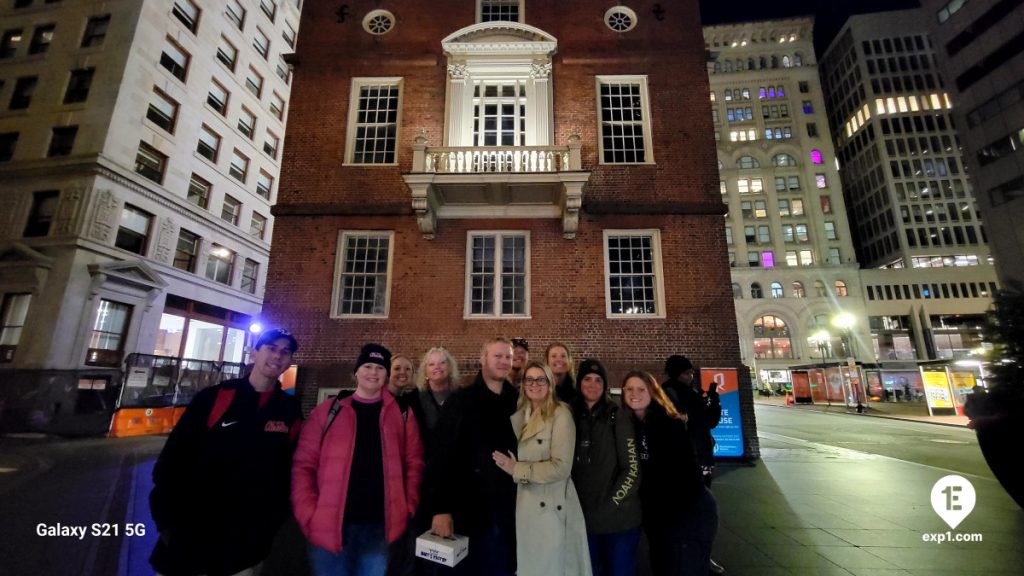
{"x":525,"y":168}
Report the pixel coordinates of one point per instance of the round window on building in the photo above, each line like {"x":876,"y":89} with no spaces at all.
{"x":379,"y":22}
{"x":620,"y":19}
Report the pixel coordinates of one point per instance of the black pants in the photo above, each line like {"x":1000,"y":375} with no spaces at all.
{"x":684,"y":547}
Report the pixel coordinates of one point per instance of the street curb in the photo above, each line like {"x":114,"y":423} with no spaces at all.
{"x":948,"y":424}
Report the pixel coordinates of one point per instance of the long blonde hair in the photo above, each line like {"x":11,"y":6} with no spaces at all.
{"x":549,"y":404}
{"x":454,"y":382}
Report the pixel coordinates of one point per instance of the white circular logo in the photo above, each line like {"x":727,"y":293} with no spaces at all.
{"x":953,"y":499}
{"x":149,"y":411}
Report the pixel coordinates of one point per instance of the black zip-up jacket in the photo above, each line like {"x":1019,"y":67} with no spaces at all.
{"x":671,"y":477}
{"x":606,"y":467}
{"x":221,"y":493}
{"x":463,"y":479}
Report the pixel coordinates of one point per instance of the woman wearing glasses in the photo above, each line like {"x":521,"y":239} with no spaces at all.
{"x":550,"y":530}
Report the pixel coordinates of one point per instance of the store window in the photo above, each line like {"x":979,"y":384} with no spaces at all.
{"x":771,"y":338}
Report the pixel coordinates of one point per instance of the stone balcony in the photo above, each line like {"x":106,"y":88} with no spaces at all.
{"x":496,"y":182}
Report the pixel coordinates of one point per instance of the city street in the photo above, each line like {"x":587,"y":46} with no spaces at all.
{"x":833,"y":494}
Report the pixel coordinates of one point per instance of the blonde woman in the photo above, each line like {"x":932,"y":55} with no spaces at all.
{"x":551,"y":537}
{"x":559,"y":360}
{"x":437,"y":378}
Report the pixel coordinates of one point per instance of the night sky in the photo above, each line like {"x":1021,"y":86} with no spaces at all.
{"x":829,"y":15}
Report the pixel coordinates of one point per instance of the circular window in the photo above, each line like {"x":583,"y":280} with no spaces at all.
{"x":620,"y":19}
{"x":379,"y":22}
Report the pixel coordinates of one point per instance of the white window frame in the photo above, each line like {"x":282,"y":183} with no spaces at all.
{"x":467,"y":301}
{"x":339,"y":263}
{"x":353,"y":115}
{"x":645,"y":107}
{"x":479,"y":12}
{"x":659,"y":274}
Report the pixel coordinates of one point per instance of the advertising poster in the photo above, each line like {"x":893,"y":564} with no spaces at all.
{"x":729,"y":433}
{"x":801,"y":387}
{"x":936,"y":390}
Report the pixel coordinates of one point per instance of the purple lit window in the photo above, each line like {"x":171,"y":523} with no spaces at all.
{"x":761,"y":93}
{"x":771,"y":93}
{"x":816,"y":157}
{"x":781,"y":93}
{"x":767,"y":260}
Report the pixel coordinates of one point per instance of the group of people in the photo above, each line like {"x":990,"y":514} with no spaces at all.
{"x":533,"y":461}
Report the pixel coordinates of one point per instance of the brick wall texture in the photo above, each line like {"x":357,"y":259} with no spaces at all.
{"x":319,"y":196}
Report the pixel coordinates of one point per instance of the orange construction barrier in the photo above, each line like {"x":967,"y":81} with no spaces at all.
{"x":144,"y":421}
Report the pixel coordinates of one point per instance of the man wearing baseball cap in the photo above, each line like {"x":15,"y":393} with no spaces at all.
{"x":520,"y":358}
{"x":220,"y":485}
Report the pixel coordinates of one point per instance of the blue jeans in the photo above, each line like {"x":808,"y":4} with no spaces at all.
{"x":364,"y":553}
{"x":614,"y":554}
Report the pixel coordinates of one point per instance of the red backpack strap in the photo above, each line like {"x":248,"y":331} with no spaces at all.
{"x":220,"y":406}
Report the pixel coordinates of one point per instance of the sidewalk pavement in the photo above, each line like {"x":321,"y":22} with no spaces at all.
{"x":916,"y":411}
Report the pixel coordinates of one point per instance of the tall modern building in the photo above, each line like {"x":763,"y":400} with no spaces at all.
{"x":140,"y":145}
{"x":928,"y":275}
{"x":980,"y":47}
{"x":517,"y":168}
{"x":794,"y":268}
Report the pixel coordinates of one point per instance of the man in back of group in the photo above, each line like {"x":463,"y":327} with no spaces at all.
{"x":221,"y":483}
{"x":468,"y":494}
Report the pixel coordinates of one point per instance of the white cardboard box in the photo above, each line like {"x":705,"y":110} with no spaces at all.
{"x":444,"y":551}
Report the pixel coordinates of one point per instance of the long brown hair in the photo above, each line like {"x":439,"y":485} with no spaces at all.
{"x":656,"y":391}
{"x":548,"y":406}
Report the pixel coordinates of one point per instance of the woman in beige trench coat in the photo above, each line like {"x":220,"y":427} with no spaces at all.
{"x":551,"y":534}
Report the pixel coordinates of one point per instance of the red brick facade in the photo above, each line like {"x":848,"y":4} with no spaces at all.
{"x":319,"y":196}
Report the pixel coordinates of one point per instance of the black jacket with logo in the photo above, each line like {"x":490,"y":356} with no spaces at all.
{"x":221,"y":492}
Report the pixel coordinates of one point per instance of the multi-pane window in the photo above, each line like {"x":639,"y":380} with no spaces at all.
{"x":62,"y":140}
{"x":162,"y":110}
{"x":217,"y":97}
{"x":820,"y":182}
{"x":9,"y":43}
{"x":187,"y":13}
{"x":797,"y":207}
{"x":40,"y":217}
{"x":288,"y":33}
{"x":374,"y":120}
{"x":497,"y":282}
{"x":362,"y":280}
{"x":270,"y":144}
{"x":261,"y":43}
{"x":227,"y":53}
{"x":258,"y":225}
{"x":499,"y":11}
{"x":220,"y":264}
{"x":830,"y":230}
{"x":24,"y":88}
{"x":234,"y":12}
{"x":254,"y":82}
{"x":95,"y":30}
{"x":150,"y":162}
{"x":783,"y":207}
{"x":209,"y":143}
{"x":269,"y":8}
{"x":175,"y":59}
{"x":264,"y":184}
{"x":134,"y":230}
{"x":230,"y":210}
{"x":239,"y":168}
{"x":826,"y":205}
{"x":781,"y":160}
{"x":187,"y":251}
{"x":106,"y":341}
{"x":499,"y":113}
{"x":41,"y":39}
{"x":250,"y":275}
{"x":277,"y":106}
{"x":282,"y":69}
{"x":78,"y":85}
{"x":633,"y":283}
{"x":199,"y":191}
{"x":8,"y":142}
{"x":247,"y":123}
{"x":13,"y":315}
{"x":801,"y":233}
{"x":787,"y":233}
{"x":625,"y":133}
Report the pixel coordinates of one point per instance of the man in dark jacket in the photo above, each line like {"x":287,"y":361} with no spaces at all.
{"x":467,"y":493}
{"x":221,"y":483}
{"x":703,"y":411}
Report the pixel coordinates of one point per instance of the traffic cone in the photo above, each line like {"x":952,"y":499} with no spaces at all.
{"x":789,"y":399}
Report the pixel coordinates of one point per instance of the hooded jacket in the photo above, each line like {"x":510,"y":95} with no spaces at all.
{"x":321,"y":471}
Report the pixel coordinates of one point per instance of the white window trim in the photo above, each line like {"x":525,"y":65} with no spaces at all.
{"x":344,"y":235}
{"x":467,"y":303}
{"x":645,"y":103}
{"x":353,"y":114}
{"x":522,"y":11}
{"x":659,"y":273}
